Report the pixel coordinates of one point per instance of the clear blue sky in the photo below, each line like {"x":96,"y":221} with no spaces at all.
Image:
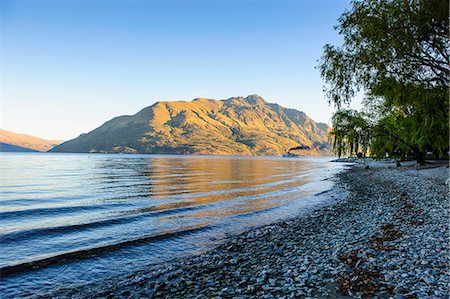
{"x":69,"y":66}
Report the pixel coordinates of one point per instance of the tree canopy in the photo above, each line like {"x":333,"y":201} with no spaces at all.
{"x":396,"y":51}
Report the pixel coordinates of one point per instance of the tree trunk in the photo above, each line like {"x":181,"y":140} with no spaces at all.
{"x":420,"y":157}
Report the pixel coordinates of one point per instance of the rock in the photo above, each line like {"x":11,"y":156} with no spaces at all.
{"x":125,"y":293}
{"x":210,"y":284}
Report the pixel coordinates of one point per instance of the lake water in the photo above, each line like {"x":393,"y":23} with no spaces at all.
{"x":76,"y":218}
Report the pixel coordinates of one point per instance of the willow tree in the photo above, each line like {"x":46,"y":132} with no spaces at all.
{"x":351,"y":133}
{"x":397,"y":51}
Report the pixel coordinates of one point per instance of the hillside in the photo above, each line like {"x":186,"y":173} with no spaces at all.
{"x":236,"y":126}
{"x":5,"y":147}
{"x":26,"y":141}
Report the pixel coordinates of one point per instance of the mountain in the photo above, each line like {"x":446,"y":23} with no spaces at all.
{"x":24,"y":141}
{"x":5,"y":147}
{"x":236,"y":126}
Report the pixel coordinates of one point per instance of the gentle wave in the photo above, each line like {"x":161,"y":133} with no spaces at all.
{"x":92,"y":252}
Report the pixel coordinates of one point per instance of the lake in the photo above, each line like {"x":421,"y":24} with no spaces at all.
{"x":67,"y":219}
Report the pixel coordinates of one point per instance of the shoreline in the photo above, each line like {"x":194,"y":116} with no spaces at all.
{"x":389,"y":237}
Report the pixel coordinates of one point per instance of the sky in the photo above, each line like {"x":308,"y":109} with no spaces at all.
{"x":69,"y":66}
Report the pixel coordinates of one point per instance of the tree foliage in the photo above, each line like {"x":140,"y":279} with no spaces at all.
{"x":350,"y":133}
{"x":397,"y":52}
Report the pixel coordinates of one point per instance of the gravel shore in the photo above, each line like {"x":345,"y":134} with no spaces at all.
{"x":389,"y":238}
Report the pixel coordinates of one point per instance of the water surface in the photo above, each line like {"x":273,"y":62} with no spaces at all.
{"x":75,"y":218}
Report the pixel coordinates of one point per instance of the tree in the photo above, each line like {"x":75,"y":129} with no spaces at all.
{"x":396,"y":51}
{"x":350,"y":133}
{"x":416,"y":117}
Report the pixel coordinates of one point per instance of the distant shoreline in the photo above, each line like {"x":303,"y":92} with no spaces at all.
{"x":388,"y":237}
{"x":170,"y":154}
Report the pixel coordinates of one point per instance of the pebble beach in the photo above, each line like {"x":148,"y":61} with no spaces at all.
{"x":385,"y":234}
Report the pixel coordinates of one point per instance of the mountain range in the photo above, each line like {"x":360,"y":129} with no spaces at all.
{"x":235,"y":126}
{"x":14,"y":142}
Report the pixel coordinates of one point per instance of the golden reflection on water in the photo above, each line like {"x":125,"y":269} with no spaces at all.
{"x":252,"y":184}
{"x":158,"y":187}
